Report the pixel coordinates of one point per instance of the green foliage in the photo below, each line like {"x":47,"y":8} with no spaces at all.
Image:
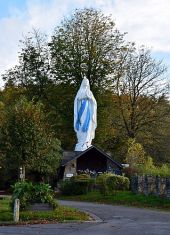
{"x":27,"y":139}
{"x":86,"y":44}
{"x":101,"y":182}
{"x":28,"y":193}
{"x":60,"y":106}
{"x":22,"y":191}
{"x":77,"y":185}
{"x":4,"y":205}
{"x":148,"y":168}
{"x":136,"y":153}
{"x":117,"y":182}
{"x":73,"y":188}
{"x":123,"y":198}
{"x":80,"y":178}
{"x":129,"y":172}
{"x":6,"y":216}
{"x":43,"y":193}
{"x":5,"y":210}
{"x":140,"y":163}
{"x":163,"y":170}
{"x":109,"y":182}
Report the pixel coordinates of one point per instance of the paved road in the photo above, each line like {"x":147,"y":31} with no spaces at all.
{"x":111,"y":220}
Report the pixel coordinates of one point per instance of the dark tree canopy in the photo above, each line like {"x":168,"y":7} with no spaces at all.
{"x":87,"y":44}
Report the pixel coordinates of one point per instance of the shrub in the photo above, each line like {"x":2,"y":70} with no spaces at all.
{"x":79,"y":184}
{"x":73,"y":188}
{"x":43,"y":193}
{"x":28,"y":193}
{"x":163,"y":171}
{"x":68,"y":188}
{"x":23,"y":191}
{"x":136,"y":155}
{"x":129,"y":172}
{"x":117,"y":182}
{"x":80,"y":178}
{"x":109,"y":182}
{"x":101,"y":182}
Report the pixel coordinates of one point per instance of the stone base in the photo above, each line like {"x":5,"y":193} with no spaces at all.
{"x":82,"y":147}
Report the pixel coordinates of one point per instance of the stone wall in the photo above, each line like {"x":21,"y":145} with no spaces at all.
{"x":70,"y":168}
{"x":151,"y":185}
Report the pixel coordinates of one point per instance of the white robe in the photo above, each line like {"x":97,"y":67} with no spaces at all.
{"x":85,"y":138}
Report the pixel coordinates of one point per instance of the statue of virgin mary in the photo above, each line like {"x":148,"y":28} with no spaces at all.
{"x":85,"y":120}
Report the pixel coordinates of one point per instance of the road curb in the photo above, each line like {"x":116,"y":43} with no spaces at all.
{"x":94,"y":217}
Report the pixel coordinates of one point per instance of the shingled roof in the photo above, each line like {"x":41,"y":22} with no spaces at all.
{"x":70,"y":155}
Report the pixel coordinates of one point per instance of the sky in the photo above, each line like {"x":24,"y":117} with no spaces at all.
{"x":147,"y":22}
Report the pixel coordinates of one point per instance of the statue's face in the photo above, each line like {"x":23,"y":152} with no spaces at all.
{"x":85,"y":83}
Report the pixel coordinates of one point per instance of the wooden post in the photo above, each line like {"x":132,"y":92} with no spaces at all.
{"x":16,"y":210}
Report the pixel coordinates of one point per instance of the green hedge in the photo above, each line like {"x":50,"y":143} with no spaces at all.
{"x":77,"y":185}
{"x":80,"y":178}
{"x":106,"y":183}
{"x":117,"y":182}
{"x":109,"y":182}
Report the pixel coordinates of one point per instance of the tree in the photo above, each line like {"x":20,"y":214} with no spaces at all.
{"x":33,"y":71}
{"x":156,"y":137}
{"x":26,"y":139}
{"x":140,"y":89}
{"x":136,"y":156}
{"x":87,"y":45}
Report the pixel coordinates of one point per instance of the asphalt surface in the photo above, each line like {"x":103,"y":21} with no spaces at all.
{"x":109,"y":220}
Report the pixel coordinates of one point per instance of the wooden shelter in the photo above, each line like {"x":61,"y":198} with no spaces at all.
{"x":92,"y":160}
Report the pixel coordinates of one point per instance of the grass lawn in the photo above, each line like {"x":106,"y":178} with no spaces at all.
{"x":123,"y":198}
{"x":59,"y":215}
